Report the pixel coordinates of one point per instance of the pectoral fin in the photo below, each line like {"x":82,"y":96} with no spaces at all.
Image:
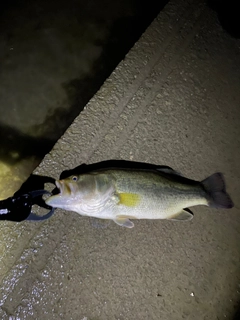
{"x":185,"y":214}
{"x":124,"y":222}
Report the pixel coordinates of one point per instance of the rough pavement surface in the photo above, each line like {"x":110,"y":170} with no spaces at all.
{"x":174,"y":100}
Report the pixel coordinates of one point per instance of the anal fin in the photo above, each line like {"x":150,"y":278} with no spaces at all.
{"x":183,"y":215}
{"x":124,"y":222}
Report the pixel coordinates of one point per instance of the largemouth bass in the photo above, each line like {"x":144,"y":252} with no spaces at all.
{"x":125,"y":194}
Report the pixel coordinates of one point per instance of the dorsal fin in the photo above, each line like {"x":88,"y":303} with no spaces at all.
{"x":168,"y":170}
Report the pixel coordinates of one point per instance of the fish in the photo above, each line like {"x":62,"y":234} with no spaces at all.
{"x":125,"y":194}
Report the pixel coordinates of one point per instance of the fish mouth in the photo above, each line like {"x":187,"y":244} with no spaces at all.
{"x":59,"y":185}
{"x":64,"y":188}
{"x":58,"y":198}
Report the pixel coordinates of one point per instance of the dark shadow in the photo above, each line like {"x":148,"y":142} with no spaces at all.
{"x":15,"y":145}
{"x":5,"y":5}
{"x":237,"y":315}
{"x":34,"y":182}
{"x":110,"y":164}
{"x":228,"y":15}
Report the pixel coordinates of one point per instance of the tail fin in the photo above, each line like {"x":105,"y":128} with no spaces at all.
{"x":216,"y":190}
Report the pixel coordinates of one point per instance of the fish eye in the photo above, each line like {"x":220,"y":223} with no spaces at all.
{"x":74,"y":178}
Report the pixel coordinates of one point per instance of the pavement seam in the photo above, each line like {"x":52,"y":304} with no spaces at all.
{"x":127,"y":93}
{"x":131,"y":114}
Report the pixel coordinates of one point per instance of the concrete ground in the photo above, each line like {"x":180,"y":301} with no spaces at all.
{"x":174,"y":100}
